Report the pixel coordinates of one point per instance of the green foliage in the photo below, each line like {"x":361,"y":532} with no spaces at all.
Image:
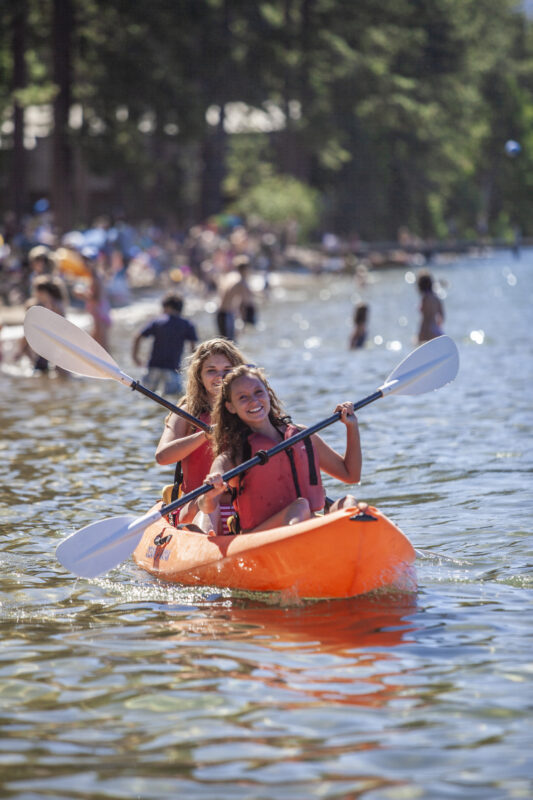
{"x":248,"y":161}
{"x":395,"y":113}
{"x":279,"y":200}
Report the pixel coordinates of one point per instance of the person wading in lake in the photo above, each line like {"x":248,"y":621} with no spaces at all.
{"x":360,"y":318}
{"x":169,"y":332}
{"x":431,"y":309}
{"x":235,"y":295}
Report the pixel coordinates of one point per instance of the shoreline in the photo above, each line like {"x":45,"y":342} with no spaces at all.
{"x":12,"y":315}
{"x":304,"y":261}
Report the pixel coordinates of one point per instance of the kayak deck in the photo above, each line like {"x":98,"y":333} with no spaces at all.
{"x":342,"y":554}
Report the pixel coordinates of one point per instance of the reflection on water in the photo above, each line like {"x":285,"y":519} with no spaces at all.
{"x":221,"y":691}
{"x":337,"y":627}
{"x":355,"y":630}
{"x":125,"y":687}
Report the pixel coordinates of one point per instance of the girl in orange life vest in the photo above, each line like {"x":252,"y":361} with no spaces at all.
{"x":247,"y":417}
{"x":180,"y":442}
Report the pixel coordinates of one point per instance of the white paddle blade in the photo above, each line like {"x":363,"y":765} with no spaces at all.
{"x":430,"y":366}
{"x":99,"y":547}
{"x":69,"y":347}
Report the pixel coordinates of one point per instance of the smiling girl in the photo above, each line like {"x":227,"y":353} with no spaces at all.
{"x":248,"y":418}
{"x":184,"y":445}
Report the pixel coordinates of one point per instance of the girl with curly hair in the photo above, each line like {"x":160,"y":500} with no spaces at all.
{"x":247,"y":419}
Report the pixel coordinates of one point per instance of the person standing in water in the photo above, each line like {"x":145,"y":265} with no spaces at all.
{"x":431,"y":309}
{"x":48,"y":292}
{"x":169,"y":332}
{"x":235,"y":294}
{"x":358,"y":335}
{"x":95,"y":297}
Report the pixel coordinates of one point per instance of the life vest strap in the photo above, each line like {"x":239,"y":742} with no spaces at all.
{"x":178,"y":480}
{"x":313,"y":477}
{"x":290,"y":456}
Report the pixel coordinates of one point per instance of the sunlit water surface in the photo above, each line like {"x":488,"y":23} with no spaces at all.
{"x":124,"y":687}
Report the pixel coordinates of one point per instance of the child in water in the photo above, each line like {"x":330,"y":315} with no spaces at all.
{"x":247,"y":418}
{"x":48,"y":292}
{"x":181,"y":443}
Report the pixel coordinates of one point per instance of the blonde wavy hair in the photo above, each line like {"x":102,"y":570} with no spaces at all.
{"x":229,"y":431}
{"x":196,"y":396}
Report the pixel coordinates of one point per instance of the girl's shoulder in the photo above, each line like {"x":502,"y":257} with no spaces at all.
{"x":175,"y":421}
{"x":223,"y":462}
{"x":294,"y":426}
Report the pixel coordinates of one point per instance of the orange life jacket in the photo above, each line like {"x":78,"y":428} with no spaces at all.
{"x":198,"y":463}
{"x":190,"y":472}
{"x":268,"y":488}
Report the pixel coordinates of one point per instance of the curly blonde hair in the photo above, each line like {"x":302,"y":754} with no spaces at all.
{"x":196,"y":396}
{"x":229,"y":431}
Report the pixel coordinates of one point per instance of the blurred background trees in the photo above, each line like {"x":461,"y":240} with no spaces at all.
{"x":361,"y":117}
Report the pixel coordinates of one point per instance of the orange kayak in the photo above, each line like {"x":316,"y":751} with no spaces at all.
{"x":342,"y":554}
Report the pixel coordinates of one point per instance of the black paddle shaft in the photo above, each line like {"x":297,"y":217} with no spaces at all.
{"x":263,"y":456}
{"x":138,"y":387}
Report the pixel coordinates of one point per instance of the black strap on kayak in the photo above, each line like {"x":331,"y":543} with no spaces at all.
{"x":161,"y":540}
{"x":363,"y":516}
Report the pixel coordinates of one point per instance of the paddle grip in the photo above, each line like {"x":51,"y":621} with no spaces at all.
{"x":138,"y":387}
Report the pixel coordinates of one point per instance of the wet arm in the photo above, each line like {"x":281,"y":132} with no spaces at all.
{"x":209,"y":502}
{"x":176,"y":441}
{"x":440,"y":312}
{"x":135,"y":351}
{"x":345,"y":468}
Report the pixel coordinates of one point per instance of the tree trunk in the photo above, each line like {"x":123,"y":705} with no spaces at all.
{"x":62,"y":175}
{"x":18,"y":188}
{"x":213,"y":169}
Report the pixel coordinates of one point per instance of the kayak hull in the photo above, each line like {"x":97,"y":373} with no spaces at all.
{"x":342,"y":554}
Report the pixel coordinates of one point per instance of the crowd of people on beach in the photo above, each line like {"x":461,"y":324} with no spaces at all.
{"x":123,"y":256}
{"x":126,"y":255}
{"x":99,"y":267}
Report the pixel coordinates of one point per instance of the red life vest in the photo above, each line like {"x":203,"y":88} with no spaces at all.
{"x":198,"y":463}
{"x":268,"y":488}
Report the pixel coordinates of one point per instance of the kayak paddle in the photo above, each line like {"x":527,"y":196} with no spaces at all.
{"x":72,"y":349}
{"x":102,"y":545}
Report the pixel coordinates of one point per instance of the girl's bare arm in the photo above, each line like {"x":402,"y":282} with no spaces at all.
{"x":209,"y":501}
{"x":345,"y":468}
{"x":177,"y":441}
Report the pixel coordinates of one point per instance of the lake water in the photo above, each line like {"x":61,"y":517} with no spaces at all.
{"x":124,"y":687}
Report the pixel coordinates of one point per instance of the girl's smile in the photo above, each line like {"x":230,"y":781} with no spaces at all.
{"x":249,"y":400}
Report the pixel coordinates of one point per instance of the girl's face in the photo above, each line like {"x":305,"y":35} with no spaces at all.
{"x":212,"y":372}
{"x":249,"y":400}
